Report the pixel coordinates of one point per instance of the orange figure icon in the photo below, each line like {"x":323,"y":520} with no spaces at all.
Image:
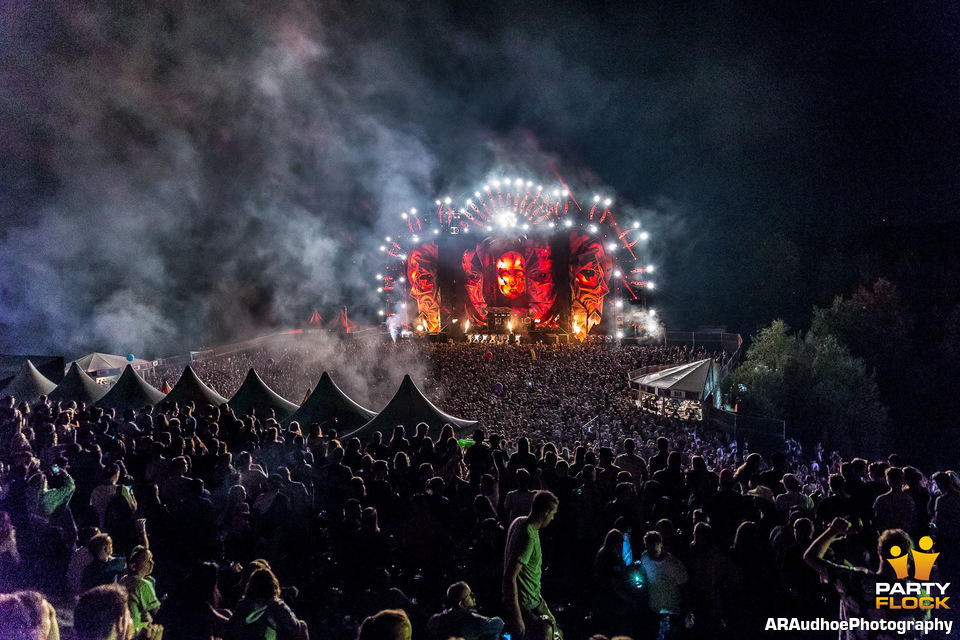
{"x":923,"y":562}
{"x":899,"y":562}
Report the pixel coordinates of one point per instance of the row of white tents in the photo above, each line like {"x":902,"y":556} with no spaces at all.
{"x":326,"y":405}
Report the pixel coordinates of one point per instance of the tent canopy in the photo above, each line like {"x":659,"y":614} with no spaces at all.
{"x":130,"y":392}
{"x":190,"y":388}
{"x":329,"y":405}
{"x":78,"y":386}
{"x":93,"y":362}
{"x":690,"y":381}
{"x":255,"y":394}
{"x":410,"y":407}
{"x":28,"y":385}
{"x":342,"y":323}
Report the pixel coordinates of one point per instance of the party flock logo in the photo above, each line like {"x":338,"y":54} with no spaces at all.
{"x":918,"y":593}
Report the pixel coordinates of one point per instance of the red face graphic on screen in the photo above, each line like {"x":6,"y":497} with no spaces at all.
{"x":511,"y":274}
{"x":422,"y":273}
{"x":540,"y":281}
{"x":589,"y":277}
{"x":473,"y":283}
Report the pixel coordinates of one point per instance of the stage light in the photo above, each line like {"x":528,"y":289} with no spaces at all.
{"x":404,"y":305}
{"x":436,"y":231}
{"x":526,"y":227}
{"x":403,"y":256}
{"x":416,"y":238}
{"x":438,"y":203}
{"x":379,"y":276}
{"x":617,"y":273}
{"x":379,"y":289}
{"x":388,"y":238}
{"x":448,"y":200}
{"x":466,"y":229}
{"x":477,"y":194}
{"x":404,"y":215}
{"x":464,"y":210}
{"x":568,"y":223}
{"x":489,"y":228}
{"x":596,"y":198}
{"x":486,"y":188}
{"x":619,"y":334}
{"x":612,"y":247}
{"x":593,"y":228}
{"x":649,"y":268}
{"x":636,"y":224}
{"x":539,"y":187}
{"x":644,"y":236}
{"x":529,"y":184}
{"x":650,"y":285}
{"x":496,"y":183}
{"x":413,"y":211}
{"x":518,"y":182}
{"x":608,"y":202}
{"x":401,"y":280}
{"x":552,"y":225}
{"x":565,"y":193}
{"x":382,"y":248}
{"x":619,"y":304}
{"x":420,"y":327}
{"x":652,"y":312}
{"x":380,"y":312}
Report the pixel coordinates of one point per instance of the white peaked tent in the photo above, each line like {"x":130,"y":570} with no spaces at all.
{"x":694,"y":381}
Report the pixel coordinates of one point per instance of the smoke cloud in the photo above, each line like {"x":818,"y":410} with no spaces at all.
{"x":175,"y":174}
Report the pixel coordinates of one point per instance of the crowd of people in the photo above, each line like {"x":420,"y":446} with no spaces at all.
{"x":191,"y":522}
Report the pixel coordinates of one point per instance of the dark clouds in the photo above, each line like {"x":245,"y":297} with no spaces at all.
{"x":177,"y":173}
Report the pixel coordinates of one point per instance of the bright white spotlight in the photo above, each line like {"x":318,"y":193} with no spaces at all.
{"x":619,"y":334}
{"x":649,"y":268}
{"x":403,"y":256}
{"x":380,"y":312}
{"x":552,"y":225}
{"x":617,"y":273}
{"x":416,"y":238}
{"x":496,"y":183}
{"x":382,"y":248}
{"x":489,"y":228}
{"x":596,"y":198}
{"x":644,"y":236}
{"x":539,"y":187}
{"x":619,"y":304}
{"x":568,"y":223}
{"x":593,"y":228}
{"x":404,"y":305}
{"x":518,"y":182}
{"x":477,"y":194}
{"x":636,"y":224}
{"x":486,"y":187}
{"x":650,"y":285}
{"x":379,"y":276}
{"x":612,"y":247}
{"x":419,"y":327}
{"x":438,"y":203}
{"x":448,"y":200}
{"x":413,"y":211}
{"x":526,"y":227}
{"x":401,"y":280}
{"x":404,"y":215}
{"x":565,"y":193}
{"x":608,"y":202}
{"x":529,"y":184}
{"x":652,"y":312}
{"x":388,"y":238}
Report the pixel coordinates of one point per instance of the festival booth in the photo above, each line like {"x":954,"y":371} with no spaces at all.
{"x":79,"y":387}
{"x":28,"y":385}
{"x":680,"y":391}
{"x":130,"y":392}
{"x":330,"y":407}
{"x":105,"y":367}
{"x":190,"y":388}
{"x":410,"y":407}
{"x":255,"y":394}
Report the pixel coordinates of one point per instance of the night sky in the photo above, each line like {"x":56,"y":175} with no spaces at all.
{"x":178,"y":173}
